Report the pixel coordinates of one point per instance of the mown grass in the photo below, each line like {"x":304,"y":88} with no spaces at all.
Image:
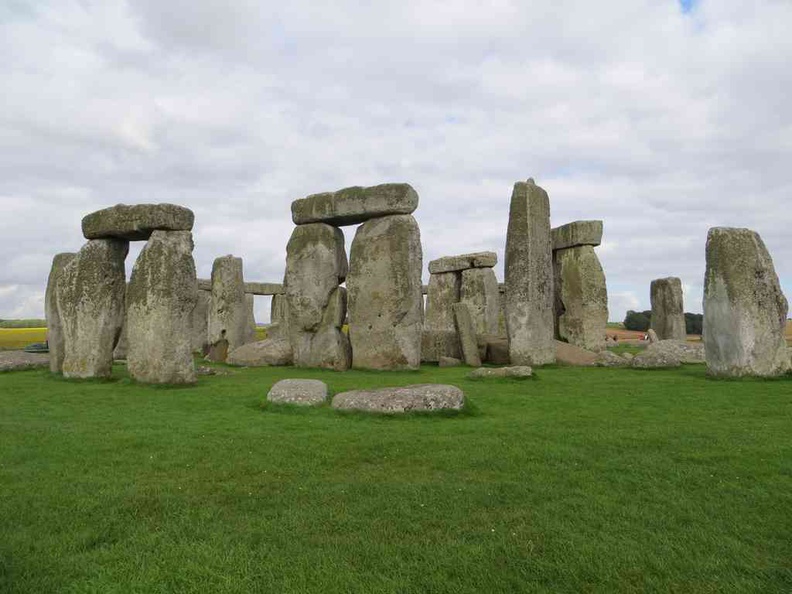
{"x":579,"y":480}
{"x":17,"y":338}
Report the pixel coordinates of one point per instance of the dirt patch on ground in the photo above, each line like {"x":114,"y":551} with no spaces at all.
{"x":15,"y":360}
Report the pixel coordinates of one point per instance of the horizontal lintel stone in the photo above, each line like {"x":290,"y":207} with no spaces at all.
{"x":204,"y":284}
{"x":136,"y":222}
{"x":577,"y":233}
{"x":354,"y":205}
{"x":463,"y":262}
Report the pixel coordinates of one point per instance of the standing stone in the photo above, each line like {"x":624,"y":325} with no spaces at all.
{"x":529,"y":277}
{"x":744,"y":309}
{"x":581,"y":297}
{"x":162,"y":294}
{"x":228,"y":318}
{"x":279,"y":317}
{"x":54,"y":326}
{"x":316,"y":264}
{"x":385,"y":294}
{"x":250,"y":306}
{"x":668,"y":308}
{"x":439,"y":336}
{"x":200,"y":322}
{"x":480,"y":292}
{"x":90,"y":296}
{"x":467,"y":334}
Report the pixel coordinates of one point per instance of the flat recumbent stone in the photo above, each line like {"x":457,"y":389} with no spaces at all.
{"x":136,"y":222}
{"x":420,"y":397}
{"x":303,"y":392}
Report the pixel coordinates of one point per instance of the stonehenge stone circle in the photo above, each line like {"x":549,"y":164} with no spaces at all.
{"x":668,"y":308}
{"x":385,"y":300}
{"x":421,"y":397}
{"x":160,"y":300}
{"x":316,"y":264}
{"x":744,"y":309}
{"x":54,"y":325}
{"x":355,"y":205}
{"x":439,"y":336}
{"x":228,"y":319}
{"x":529,"y":277}
{"x":136,"y":222}
{"x":581,"y":297}
{"x":90,"y":296}
{"x":577,"y":233}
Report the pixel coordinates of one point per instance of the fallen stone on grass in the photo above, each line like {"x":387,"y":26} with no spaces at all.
{"x":272,"y":352}
{"x":449,"y":362}
{"x":19,"y":360}
{"x":519,"y":371}
{"x":569,"y":354}
{"x":610,"y":359}
{"x":302,"y":392}
{"x":655,"y":359}
{"x":420,"y":397}
{"x":686,"y":352}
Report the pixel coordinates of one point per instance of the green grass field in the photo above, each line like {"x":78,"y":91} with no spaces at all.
{"x":579,"y":480}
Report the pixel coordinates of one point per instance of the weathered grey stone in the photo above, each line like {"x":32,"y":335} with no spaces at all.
{"x":463,"y":262}
{"x":228,"y":317}
{"x":518,"y":372}
{"x":122,"y":344}
{"x":136,"y":222}
{"x":250,"y":326}
{"x":467,"y":334}
{"x":449,"y":362}
{"x":279,"y":317}
{"x":421,"y":397}
{"x":479,"y":291}
{"x":90,"y":295}
{"x":20,"y":360}
{"x":576,"y":234}
{"x":569,"y":354}
{"x":272,"y":352}
{"x":264,"y":288}
{"x":385,"y":323}
{"x":199,"y":322}
{"x":609,"y":359}
{"x":651,"y":336}
{"x":668,"y":308}
{"x":498,"y":351}
{"x":205,"y":284}
{"x":328,"y":347}
{"x":628,"y":356}
{"x":581,"y":297}
{"x":529,"y":277}
{"x":355,"y":205}
{"x":686,"y":352}
{"x":440,"y":337}
{"x":744,"y":309}
{"x":655,"y":358}
{"x":160,"y":300}
{"x":302,"y":392}
{"x":54,"y":326}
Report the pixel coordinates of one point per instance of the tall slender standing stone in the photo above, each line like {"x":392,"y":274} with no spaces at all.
{"x":250,"y":308}
{"x":668,"y":308}
{"x":200,"y":321}
{"x":228,"y":319}
{"x":90,"y":296}
{"x":384,"y":284}
{"x":161,"y":297}
{"x":744,"y":309}
{"x":54,"y":326}
{"x":581,"y":297}
{"x":440,"y":337}
{"x":529,"y":277}
{"x":480,"y":293}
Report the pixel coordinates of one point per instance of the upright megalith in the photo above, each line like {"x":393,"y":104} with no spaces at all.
{"x":54,"y":325}
{"x":90,"y":296}
{"x":161,"y":297}
{"x":529,"y":277}
{"x":355,"y":205}
{"x":316,"y":264}
{"x":250,"y":312}
{"x":668,"y":308}
{"x":744,"y":309}
{"x":228,"y":317}
{"x":479,"y":292}
{"x":199,"y":321}
{"x":467,"y":334}
{"x":384,"y":284}
{"x":439,"y":335}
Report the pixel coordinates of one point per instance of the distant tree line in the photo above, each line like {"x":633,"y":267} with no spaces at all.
{"x":642,"y":321}
{"x":30,"y":323}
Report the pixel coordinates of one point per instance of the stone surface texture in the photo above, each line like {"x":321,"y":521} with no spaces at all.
{"x":136,"y":222}
{"x":54,"y":329}
{"x":421,"y":397}
{"x":20,"y":360}
{"x":385,"y":321}
{"x":449,"y":362}
{"x":250,"y":313}
{"x":439,"y":337}
{"x":668,"y":308}
{"x":355,"y":205}
{"x":271,"y":352}
{"x":581,"y":297}
{"x":569,"y":354}
{"x":745,"y":311}
{"x":686,"y":352}
{"x":302,"y":392}
{"x":90,"y":293}
{"x":609,"y":359}
{"x":463,"y":262}
{"x":518,"y":371}
{"x":467,"y":334}
{"x":576,"y":234}
{"x":228,"y":316}
{"x":655,"y":358}
{"x":199,"y":322}
{"x":479,"y":291}
{"x":529,"y":277}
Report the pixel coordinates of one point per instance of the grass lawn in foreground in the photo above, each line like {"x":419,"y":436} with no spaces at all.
{"x":579,"y":480}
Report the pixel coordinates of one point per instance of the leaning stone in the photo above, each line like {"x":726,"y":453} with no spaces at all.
{"x":302,"y":392}
{"x":467,"y":334}
{"x":161,"y":297}
{"x":136,"y":222}
{"x":440,"y":338}
{"x":54,"y":326}
{"x":576,"y":234}
{"x":581,"y":297}
{"x":569,"y":354}
{"x":479,"y":291}
{"x":668,"y":308}
{"x":90,"y":295}
{"x":449,"y":362}
{"x":463,"y":262}
{"x":609,"y":359}
{"x":199,"y":322}
{"x":653,"y":359}
{"x":529,"y":277}
{"x":745,"y":311}
{"x":355,"y":205}
{"x":519,"y":371}
{"x":228,"y":314}
{"x":421,"y":397}
{"x":385,"y":322}
{"x":628,"y":356}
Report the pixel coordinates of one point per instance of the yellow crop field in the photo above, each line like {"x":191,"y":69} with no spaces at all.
{"x":16,"y":338}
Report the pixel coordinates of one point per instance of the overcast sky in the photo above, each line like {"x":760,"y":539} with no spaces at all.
{"x":661,"y":117}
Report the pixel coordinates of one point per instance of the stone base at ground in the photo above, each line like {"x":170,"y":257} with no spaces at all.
{"x":303,"y":392}
{"x":272,"y":352}
{"x":422,"y":397}
{"x":449,"y":362}
{"x":686,"y":352}
{"x":569,"y":354}
{"x":519,"y":371}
